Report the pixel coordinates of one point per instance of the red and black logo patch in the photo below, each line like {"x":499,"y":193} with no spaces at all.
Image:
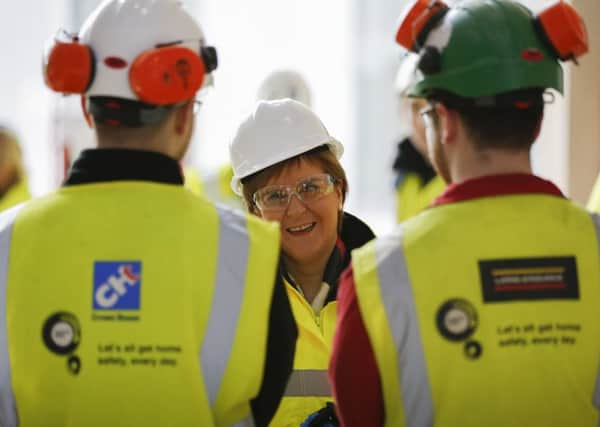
{"x":529,"y":279}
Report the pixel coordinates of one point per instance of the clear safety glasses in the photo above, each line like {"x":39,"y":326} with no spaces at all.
{"x":278,"y":197}
{"x":429,"y":116}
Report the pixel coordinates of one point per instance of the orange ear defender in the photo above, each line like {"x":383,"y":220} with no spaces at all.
{"x":69,"y":67}
{"x":417,"y":21}
{"x":161,"y":76}
{"x":167,"y":75}
{"x":563,"y":28}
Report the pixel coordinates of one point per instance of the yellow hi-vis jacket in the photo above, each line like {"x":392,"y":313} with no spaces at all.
{"x":594,"y":202}
{"x":217,"y":188}
{"x":15,"y":195}
{"x":486,"y":313}
{"x":154,"y":313}
{"x":308,"y":388}
{"x":413,"y":197}
{"x":192,"y":181}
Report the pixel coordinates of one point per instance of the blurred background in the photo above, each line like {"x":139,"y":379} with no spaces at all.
{"x":345,"y":50}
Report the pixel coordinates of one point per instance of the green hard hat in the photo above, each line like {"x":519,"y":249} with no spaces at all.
{"x":483,"y":48}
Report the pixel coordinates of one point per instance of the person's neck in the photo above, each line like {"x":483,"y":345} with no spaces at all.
{"x":476,"y":164}
{"x":307,"y":275}
{"x":157,"y":147}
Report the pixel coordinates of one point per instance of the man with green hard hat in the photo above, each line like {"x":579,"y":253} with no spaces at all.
{"x":482,"y":310}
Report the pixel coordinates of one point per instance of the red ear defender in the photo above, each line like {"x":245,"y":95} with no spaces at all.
{"x":417,"y":20}
{"x":68,"y":67}
{"x":167,"y":75}
{"x":564,"y":29}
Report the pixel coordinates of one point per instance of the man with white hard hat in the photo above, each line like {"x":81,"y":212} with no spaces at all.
{"x":125,"y":300}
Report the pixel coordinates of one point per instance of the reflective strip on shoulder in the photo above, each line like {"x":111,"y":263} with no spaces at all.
{"x":308,"y":383}
{"x":596,"y":219}
{"x":227,"y":299}
{"x":597,"y":391}
{"x":398,"y":299}
{"x":8,"y":409}
{"x":248,"y":422}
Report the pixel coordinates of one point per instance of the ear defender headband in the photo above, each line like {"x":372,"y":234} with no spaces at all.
{"x":559,"y":25}
{"x":164,"y":75}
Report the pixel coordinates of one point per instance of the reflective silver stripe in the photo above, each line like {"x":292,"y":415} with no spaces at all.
{"x":309,"y":382}
{"x":8,"y":410}
{"x":227,"y":299}
{"x":596,"y":219}
{"x":248,"y":422}
{"x":597,"y":391}
{"x":398,"y":298}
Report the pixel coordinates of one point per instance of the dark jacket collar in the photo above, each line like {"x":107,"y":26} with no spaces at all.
{"x":102,"y":165}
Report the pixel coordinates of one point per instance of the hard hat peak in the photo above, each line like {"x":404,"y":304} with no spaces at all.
{"x":275,"y":131}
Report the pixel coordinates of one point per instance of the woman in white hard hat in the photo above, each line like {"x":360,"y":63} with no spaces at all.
{"x":286,"y":166}
{"x":13,"y":184}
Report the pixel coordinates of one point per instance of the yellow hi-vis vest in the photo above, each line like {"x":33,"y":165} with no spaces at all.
{"x":308,"y":388}
{"x":217,"y":188}
{"x":15,"y":195}
{"x":486,"y":313}
{"x":413,"y":197}
{"x":594,"y":202}
{"x":192,"y":181}
{"x":132,"y":304}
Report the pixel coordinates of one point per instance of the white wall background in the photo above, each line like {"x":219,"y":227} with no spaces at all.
{"x":25,"y":104}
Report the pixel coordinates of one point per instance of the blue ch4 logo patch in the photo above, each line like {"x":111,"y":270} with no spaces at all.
{"x":117,"y":285}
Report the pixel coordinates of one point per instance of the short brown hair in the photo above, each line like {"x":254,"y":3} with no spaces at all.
{"x":321,"y":156}
{"x":513,"y":124}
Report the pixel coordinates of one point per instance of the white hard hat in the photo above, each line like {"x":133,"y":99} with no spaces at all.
{"x":405,"y":76}
{"x":274,"y":132}
{"x":282,"y":84}
{"x":123,"y":29}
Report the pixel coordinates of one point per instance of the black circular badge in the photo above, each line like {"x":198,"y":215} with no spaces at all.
{"x":456,"y":319}
{"x":74,"y":365}
{"x":61,"y":333}
{"x":473,"y":350}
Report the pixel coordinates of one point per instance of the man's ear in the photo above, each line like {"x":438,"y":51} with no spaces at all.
{"x":538,"y":128}
{"x":449,"y":122}
{"x":183,"y":115}
{"x":86,"y":113}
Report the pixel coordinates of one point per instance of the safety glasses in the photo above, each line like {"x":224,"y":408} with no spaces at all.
{"x":276,"y":198}
{"x":428,"y":115}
